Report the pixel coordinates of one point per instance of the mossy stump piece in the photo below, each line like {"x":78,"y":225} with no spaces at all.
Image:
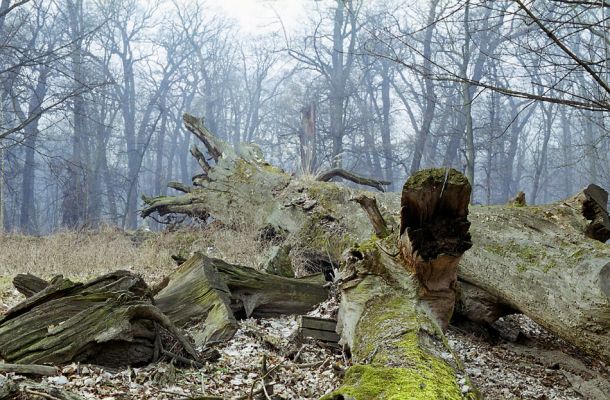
{"x":108,"y":321}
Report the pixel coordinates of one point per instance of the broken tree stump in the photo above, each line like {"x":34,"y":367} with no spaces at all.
{"x":214,"y":292}
{"x":108,"y":321}
{"x":397,"y":295}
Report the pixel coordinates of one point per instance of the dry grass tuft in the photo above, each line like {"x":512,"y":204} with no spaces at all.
{"x":86,"y":254}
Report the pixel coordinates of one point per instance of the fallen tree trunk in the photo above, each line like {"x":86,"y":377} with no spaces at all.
{"x":108,"y":321}
{"x":536,"y":260}
{"x":316,"y":222}
{"x":214,"y":292}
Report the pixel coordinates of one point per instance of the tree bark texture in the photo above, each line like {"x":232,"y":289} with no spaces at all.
{"x":108,"y":321}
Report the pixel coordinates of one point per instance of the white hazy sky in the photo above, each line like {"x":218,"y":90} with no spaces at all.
{"x":262,"y":15}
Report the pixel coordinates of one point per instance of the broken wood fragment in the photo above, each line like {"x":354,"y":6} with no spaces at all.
{"x":108,"y":321}
{"x":322,"y":329}
{"x":181,"y":187}
{"x":369,"y":204}
{"x":28,"y":284}
{"x":29,"y":369}
{"x":326,"y":176}
{"x":214,"y":292}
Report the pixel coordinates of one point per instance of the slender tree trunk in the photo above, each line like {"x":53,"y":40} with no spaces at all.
{"x":386,"y":138}
{"x":430,"y":103}
{"x":467,"y":101}
{"x":2,"y":177}
{"x":307,"y":138}
{"x":74,"y":199}
{"x":541,"y":165}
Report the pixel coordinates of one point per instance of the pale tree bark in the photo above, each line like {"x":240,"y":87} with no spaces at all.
{"x":541,"y":163}
{"x":308,"y":138}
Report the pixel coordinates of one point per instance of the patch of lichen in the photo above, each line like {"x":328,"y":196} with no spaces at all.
{"x":321,"y":233}
{"x":327,"y":194}
{"x":530,"y":254}
{"x":243,"y":171}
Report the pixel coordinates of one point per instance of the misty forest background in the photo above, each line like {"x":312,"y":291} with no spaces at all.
{"x":92,"y":92}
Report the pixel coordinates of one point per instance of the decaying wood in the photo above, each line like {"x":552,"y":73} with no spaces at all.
{"x":322,"y":329}
{"x":434,"y":234}
{"x":369,"y":204}
{"x":212,"y":291}
{"x":326,"y":176}
{"x":543,"y":249}
{"x":107,"y":321}
{"x":28,"y":284}
{"x":393,"y":323}
{"x":538,"y":260}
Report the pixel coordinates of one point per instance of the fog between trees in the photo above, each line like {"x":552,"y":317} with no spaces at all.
{"x":513,"y":93}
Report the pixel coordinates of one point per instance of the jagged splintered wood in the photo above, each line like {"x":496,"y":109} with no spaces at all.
{"x":434,"y":234}
{"x":212,"y":292}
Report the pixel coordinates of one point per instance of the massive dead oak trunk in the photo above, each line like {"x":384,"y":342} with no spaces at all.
{"x":214,"y":292}
{"x":523,"y":258}
{"x":539,"y":261}
{"x":108,"y":321}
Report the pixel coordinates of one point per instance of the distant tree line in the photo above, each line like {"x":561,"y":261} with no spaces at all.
{"x":514,"y":93}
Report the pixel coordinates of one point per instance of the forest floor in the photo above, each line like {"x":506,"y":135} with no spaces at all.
{"x":517,"y":360}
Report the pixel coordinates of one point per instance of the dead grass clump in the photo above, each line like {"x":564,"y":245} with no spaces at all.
{"x":83,"y":255}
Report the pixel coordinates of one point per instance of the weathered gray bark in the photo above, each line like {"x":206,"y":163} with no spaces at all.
{"x":108,"y":321}
{"x":538,"y":261}
{"x":213,"y":292}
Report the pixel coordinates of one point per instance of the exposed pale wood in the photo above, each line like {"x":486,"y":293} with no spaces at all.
{"x":195,"y":293}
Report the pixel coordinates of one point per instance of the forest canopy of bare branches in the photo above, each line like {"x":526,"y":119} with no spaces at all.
{"x":515,"y":94}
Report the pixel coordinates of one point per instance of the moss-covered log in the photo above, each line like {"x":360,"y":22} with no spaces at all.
{"x":212,"y":291}
{"x":107,"y":321}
